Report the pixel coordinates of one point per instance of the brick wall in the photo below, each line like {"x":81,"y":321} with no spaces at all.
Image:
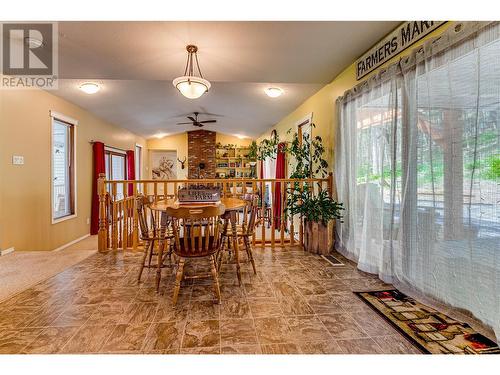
{"x":201,"y":149}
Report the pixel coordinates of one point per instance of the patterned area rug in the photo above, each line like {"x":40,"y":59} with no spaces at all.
{"x":433,"y":332}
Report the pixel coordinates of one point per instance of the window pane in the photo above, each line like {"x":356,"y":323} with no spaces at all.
{"x":118,"y":167}
{"x":60,"y":173}
{"x":115,"y":170}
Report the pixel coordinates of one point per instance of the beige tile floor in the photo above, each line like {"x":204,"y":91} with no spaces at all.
{"x":297,"y":303}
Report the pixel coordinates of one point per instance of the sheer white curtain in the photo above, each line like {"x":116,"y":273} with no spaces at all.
{"x":418,"y":169}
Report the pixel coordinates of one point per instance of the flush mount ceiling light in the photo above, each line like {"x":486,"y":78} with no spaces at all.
{"x":273,"y":92}
{"x":89,"y":87}
{"x":190,"y":85}
{"x":160,"y":135}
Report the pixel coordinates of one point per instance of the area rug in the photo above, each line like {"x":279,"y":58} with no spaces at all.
{"x":430,"y":330}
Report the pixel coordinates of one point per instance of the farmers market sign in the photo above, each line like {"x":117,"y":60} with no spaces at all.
{"x":396,"y":42}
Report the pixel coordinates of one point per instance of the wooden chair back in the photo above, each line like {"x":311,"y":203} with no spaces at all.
{"x":141,"y":204}
{"x":250,"y":213}
{"x":196,"y":230}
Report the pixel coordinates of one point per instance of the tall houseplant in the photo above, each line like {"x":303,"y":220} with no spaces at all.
{"x":313,"y":204}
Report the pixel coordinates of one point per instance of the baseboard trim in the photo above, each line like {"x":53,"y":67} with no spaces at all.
{"x":70,"y":243}
{"x":7,"y":251}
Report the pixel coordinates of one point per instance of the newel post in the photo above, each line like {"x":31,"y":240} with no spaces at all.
{"x":101,"y":191}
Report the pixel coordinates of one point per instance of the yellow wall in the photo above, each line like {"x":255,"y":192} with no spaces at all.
{"x":179,"y":142}
{"x":226,"y":139}
{"x":25,"y":129}
{"x":176,"y":142}
{"x":322,"y":104}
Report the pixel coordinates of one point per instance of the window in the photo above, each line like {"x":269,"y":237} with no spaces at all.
{"x":63,"y":168}
{"x":418,"y":169}
{"x":116,"y":167}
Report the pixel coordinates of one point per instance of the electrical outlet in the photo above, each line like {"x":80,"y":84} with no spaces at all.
{"x":88,"y":221}
{"x":17,"y":160}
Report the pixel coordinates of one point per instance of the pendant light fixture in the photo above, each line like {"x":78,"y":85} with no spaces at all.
{"x":190,"y":85}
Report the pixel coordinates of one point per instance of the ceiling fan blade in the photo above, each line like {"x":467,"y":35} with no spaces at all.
{"x":207,"y":121}
{"x":184,"y":123}
{"x":191,"y":118}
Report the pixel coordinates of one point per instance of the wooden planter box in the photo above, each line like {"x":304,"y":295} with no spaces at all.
{"x":318,"y":238}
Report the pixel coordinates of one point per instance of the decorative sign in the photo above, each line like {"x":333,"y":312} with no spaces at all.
{"x":400,"y":39}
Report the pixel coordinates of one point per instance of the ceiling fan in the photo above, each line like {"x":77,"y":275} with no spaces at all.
{"x":195,"y":122}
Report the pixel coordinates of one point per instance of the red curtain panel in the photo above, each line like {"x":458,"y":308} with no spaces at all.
{"x":280,"y":173}
{"x":99,"y":167}
{"x":130,"y":170}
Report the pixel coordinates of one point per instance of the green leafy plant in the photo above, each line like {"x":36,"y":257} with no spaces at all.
{"x":268,"y":148}
{"x":253,"y":151}
{"x":493,"y":171}
{"x":310,"y":163}
{"x":318,"y":207}
{"x":308,"y":156}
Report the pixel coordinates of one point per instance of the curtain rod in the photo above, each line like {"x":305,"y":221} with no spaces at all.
{"x":105,"y":145}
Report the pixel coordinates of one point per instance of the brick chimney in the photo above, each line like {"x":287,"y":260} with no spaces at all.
{"x":201,"y":149}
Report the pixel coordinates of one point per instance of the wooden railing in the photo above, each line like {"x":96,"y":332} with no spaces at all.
{"x":119,"y":229}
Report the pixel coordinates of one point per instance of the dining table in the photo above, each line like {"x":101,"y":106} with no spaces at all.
{"x":231,"y":205}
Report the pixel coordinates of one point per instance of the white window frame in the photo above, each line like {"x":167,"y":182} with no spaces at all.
{"x":63,"y":118}
{"x":138,"y":172}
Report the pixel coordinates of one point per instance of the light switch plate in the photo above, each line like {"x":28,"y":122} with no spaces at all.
{"x":17,"y":160}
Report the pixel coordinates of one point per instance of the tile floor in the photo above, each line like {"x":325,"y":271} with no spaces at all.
{"x":297,"y":303}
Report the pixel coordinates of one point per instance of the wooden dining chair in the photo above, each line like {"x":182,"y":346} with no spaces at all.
{"x":245,"y":230}
{"x":150,"y":234}
{"x":197,"y":234}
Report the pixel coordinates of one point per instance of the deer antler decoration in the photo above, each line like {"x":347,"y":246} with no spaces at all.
{"x":183,"y":162}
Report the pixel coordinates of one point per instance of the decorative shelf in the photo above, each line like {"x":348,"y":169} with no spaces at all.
{"x":231,"y":154}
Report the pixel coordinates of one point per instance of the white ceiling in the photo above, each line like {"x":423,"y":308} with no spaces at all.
{"x":136,"y":61}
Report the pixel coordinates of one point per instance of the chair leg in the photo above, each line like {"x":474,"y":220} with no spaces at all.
{"x":248,"y":248}
{"x":151,"y":254}
{"x":178,"y":279}
{"x":216,"y":278}
{"x":148,"y":247}
{"x":158,"y":267}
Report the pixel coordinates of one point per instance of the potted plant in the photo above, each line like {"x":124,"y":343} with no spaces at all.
{"x":313,"y":204}
{"x":252,"y":151}
{"x":318,"y":210}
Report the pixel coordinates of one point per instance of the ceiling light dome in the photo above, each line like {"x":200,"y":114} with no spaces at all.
{"x":89,"y":87}
{"x":273,"y":92}
{"x":190,"y":85}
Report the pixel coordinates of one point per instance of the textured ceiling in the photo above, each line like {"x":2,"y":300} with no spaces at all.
{"x":136,"y":61}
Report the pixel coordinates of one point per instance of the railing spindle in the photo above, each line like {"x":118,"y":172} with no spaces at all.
{"x":118,"y":221}
{"x":114,"y":218}
{"x":273,"y":227}
{"x":263,"y":212}
{"x":282,"y":210}
{"x":125,"y":215}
